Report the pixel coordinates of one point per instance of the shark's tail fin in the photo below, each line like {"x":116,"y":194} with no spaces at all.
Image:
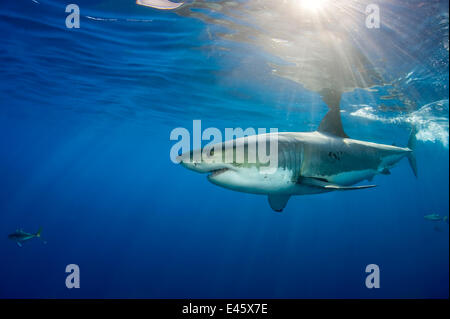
{"x":412,"y":146}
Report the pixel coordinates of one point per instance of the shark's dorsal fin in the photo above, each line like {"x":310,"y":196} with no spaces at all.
{"x":331,"y":123}
{"x":278,"y":202}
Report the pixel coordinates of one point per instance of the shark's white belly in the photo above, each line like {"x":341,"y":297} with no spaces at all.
{"x":251,"y":180}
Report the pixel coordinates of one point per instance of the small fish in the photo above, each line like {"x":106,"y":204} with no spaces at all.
{"x":433,"y":217}
{"x":19,"y":236}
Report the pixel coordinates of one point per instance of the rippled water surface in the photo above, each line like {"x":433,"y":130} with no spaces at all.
{"x":85,"y":121}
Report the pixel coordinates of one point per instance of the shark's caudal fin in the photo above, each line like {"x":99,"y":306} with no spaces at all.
{"x":412,"y":146}
{"x":331,"y":123}
{"x":278,"y":202}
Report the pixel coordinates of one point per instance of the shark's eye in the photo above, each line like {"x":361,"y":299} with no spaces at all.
{"x":211,"y":152}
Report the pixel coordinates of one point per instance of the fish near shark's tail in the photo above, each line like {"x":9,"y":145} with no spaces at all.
{"x":412,"y":155}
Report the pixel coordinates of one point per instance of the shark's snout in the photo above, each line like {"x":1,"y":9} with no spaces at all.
{"x":189,"y":164}
{"x":188,"y":161}
{"x":196,"y":162}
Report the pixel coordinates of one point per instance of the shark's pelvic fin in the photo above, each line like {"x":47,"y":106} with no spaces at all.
{"x":316,"y":182}
{"x":278,"y":202}
{"x":331,"y":123}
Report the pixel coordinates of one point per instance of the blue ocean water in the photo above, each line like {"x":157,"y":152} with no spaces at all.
{"x":85,"y":120}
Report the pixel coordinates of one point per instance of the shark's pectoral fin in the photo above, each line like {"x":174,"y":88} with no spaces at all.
{"x":19,"y":244}
{"x":316,"y":182}
{"x":278,"y":202}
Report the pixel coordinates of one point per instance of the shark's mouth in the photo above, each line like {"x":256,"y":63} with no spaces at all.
{"x":217,"y":172}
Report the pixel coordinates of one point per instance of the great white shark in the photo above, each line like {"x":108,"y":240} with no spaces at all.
{"x":308,"y":162}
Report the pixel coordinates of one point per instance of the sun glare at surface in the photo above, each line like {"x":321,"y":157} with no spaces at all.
{"x":313,"y":5}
